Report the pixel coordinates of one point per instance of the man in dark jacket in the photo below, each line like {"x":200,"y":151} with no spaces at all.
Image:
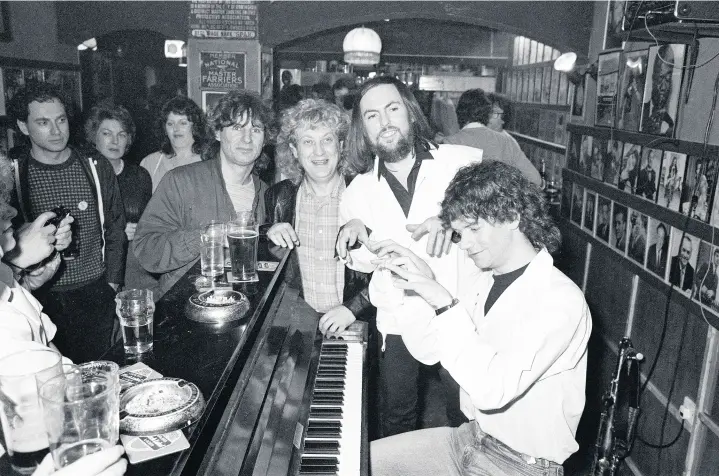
{"x":303,"y":212}
{"x":167,"y":240}
{"x":48,"y":174}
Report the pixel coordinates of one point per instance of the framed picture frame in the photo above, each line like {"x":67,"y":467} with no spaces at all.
{"x":607,"y":84}
{"x":210,"y":99}
{"x":613,"y":34}
{"x":662,"y":90}
{"x":579,"y":99}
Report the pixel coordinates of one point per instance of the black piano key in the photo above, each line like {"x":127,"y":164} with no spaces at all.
{"x":329,"y":383}
{"x":324,"y":433}
{"x":321,"y":447}
{"x":338,"y":400}
{"x":325,"y":412}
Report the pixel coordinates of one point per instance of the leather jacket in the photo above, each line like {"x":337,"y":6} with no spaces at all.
{"x":280,"y":202}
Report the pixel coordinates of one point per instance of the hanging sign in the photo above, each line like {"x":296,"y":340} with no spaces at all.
{"x":226,"y":19}
{"x":223,"y":71}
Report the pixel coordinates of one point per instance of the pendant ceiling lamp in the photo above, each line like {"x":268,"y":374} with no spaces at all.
{"x":362,"y":47}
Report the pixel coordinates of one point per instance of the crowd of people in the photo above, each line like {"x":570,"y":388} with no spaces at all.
{"x":445,"y":248}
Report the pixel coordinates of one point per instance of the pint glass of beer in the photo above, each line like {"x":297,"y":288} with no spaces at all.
{"x":21,"y":374}
{"x":242,"y":237}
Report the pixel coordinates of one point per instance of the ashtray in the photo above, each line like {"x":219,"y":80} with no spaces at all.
{"x":217,"y":306}
{"x":160,"y":406}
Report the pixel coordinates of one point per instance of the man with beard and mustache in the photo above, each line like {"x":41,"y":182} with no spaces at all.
{"x":402,"y":179}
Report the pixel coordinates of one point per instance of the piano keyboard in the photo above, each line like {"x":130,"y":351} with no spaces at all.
{"x":333,"y":437}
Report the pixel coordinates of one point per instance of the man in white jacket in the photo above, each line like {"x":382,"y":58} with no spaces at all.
{"x":514,"y":336}
{"x":402,"y":178}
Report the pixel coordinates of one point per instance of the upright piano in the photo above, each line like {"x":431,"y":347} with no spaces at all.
{"x":281,"y":399}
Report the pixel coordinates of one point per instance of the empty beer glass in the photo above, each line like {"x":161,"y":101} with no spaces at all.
{"x":136,"y":310}
{"x":212,"y":256}
{"x":242,"y":237}
{"x":23,"y":427}
{"x":81,"y":414}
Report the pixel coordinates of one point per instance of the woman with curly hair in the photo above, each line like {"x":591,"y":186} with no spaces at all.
{"x":303,"y":211}
{"x":183,"y":128}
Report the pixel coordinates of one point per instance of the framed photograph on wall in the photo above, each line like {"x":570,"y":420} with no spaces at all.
{"x":706,"y":280}
{"x":604,"y":209}
{"x":658,"y":252}
{"x":613,"y":34}
{"x":671,"y":180}
{"x":631,"y":90}
{"x":618,"y":230}
{"x":612,"y":161}
{"x":607,"y":79}
{"x":210,"y":99}
{"x":683,"y":252}
{"x":589,"y":211}
{"x":663,"y":89}
{"x":647,"y":173}
{"x":577,"y":204}
{"x":637,"y":247}
{"x":578,"y":99}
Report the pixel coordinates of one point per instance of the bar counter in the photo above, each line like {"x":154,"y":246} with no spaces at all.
{"x":212,"y":357}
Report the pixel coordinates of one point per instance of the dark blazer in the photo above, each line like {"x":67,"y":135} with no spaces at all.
{"x":675,"y":274}
{"x":280,"y":200}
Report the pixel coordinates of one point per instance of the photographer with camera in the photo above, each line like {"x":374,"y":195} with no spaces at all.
{"x":49,"y":175}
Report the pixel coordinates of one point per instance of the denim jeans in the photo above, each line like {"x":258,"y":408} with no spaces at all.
{"x":398,"y":374}
{"x":465,"y":451}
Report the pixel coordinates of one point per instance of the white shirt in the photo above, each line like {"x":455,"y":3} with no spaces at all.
{"x":522,"y":367}
{"x":23,"y":325}
{"x":370,"y":199}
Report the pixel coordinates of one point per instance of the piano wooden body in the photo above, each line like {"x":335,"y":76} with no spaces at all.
{"x":281,"y":400}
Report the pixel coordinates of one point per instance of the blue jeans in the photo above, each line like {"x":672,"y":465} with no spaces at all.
{"x":465,"y":451}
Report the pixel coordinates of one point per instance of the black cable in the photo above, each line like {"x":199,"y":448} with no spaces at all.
{"x":667,"y":445}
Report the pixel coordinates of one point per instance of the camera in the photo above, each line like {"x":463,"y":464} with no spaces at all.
{"x":72,"y":251}
{"x":60,"y":214}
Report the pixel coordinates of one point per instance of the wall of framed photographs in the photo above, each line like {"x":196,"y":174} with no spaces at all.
{"x":640,"y":226}
{"x":541,"y":98}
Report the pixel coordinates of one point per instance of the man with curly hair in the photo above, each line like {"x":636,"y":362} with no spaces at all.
{"x":514,"y":336}
{"x":303,"y":212}
{"x":167,"y":239}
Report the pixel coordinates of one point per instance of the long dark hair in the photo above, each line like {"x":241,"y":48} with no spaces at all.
{"x":183,"y":106}
{"x":360,"y":157}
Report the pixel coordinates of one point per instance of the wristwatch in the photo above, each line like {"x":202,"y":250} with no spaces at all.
{"x":449,"y":306}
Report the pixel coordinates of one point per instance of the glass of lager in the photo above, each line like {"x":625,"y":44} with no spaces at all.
{"x":242,"y":237}
{"x":23,"y":427}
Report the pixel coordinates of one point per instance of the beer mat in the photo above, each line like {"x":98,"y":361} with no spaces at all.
{"x":231,"y":279}
{"x":267,"y":265}
{"x":136,"y":373}
{"x":143,"y":448}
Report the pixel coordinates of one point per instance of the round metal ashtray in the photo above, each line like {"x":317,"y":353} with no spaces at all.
{"x":217,"y":306}
{"x":159,"y":406}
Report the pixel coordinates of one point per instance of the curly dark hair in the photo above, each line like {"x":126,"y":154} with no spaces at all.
{"x":308,"y":113}
{"x":240,"y":106}
{"x":499,"y":193}
{"x":183,"y":106}
{"x":359,"y":150}
{"x":19,"y":106}
{"x":103,"y":112}
{"x":473,"y":106}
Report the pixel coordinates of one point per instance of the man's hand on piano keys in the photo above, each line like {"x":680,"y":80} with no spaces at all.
{"x":335,"y":321}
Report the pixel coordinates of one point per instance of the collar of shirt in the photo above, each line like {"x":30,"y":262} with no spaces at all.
{"x":474,"y":125}
{"x":421,"y":153}
{"x":335,"y":193}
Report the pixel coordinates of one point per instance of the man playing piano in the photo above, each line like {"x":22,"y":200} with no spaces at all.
{"x":514,"y":336}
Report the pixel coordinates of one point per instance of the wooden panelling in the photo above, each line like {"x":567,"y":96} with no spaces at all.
{"x":709,"y":465}
{"x":570,"y":257}
{"x":608,"y":293}
{"x":649,"y":317}
{"x":670,"y":461}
